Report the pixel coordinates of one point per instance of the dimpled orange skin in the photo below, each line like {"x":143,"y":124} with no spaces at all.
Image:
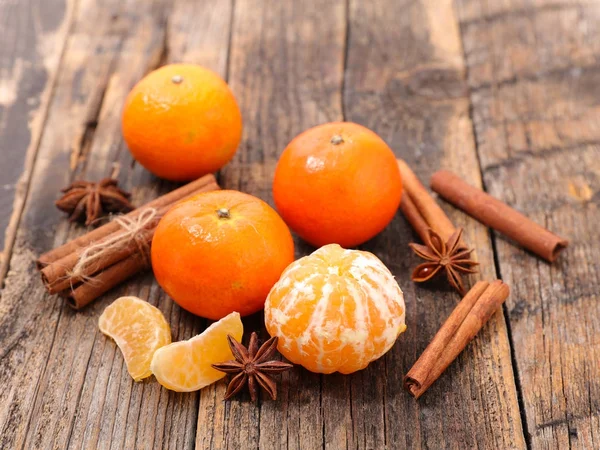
{"x":181,"y":122}
{"x":337,"y":183}
{"x":211,"y":264}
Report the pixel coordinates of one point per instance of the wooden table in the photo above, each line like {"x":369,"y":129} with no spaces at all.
{"x":505,"y":93}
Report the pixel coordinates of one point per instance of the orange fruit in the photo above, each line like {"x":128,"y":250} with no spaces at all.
{"x":182,"y":121}
{"x":139,"y":329}
{"x":185,"y":366}
{"x":335,"y":310}
{"x":337,"y":183}
{"x":220,"y":252}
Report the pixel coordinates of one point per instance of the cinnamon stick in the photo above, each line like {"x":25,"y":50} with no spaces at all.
{"x":110,"y":227}
{"x":463,"y":324}
{"x":424,"y":204}
{"x":85,"y":293}
{"x":498,"y":215}
{"x":414,"y":217}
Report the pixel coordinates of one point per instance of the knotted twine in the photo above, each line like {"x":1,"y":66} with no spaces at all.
{"x":115,"y":242}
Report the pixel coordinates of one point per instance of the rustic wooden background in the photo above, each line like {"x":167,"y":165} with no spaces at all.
{"x":504,"y":92}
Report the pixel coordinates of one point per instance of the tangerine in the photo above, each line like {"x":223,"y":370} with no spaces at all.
{"x":337,"y":183}
{"x":335,"y":310}
{"x":182,"y":121}
{"x":220,"y":252}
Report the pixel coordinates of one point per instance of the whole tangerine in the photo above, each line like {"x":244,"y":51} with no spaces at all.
{"x":182,"y":121}
{"x":335,"y":310}
{"x":220,"y":252}
{"x":337,"y":183}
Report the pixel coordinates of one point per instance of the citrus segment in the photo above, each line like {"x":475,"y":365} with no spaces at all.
{"x":185,"y":366}
{"x":139,"y":329}
{"x":335,"y":310}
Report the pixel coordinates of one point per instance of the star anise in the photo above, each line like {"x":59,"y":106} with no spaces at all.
{"x":85,"y":200}
{"x":252,"y":367}
{"x":451,"y":256}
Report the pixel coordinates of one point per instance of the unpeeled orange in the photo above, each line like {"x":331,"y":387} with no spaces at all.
{"x":337,"y":183}
{"x":335,"y":310}
{"x":182,"y":121}
{"x":139,"y":329}
{"x":220,"y":252}
{"x":185,"y":366}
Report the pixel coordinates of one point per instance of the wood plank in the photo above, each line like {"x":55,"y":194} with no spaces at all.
{"x":535,"y":81}
{"x":47,"y":349}
{"x":405,"y":79}
{"x":63,"y":383}
{"x":33,"y":35}
{"x":286,"y":70}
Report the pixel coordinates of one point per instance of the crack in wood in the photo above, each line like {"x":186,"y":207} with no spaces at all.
{"x":518,"y":13}
{"x":522,"y":156}
{"x":556,"y":74}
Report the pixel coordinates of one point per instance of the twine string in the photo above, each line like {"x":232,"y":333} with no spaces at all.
{"x":93,"y":254}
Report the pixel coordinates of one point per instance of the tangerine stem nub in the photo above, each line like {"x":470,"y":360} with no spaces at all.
{"x":336,"y":139}
{"x":177,"y":79}
{"x":223,"y":213}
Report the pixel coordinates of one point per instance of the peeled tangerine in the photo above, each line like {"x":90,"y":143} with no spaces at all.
{"x":335,"y":310}
{"x":185,"y":366}
{"x":139,"y":329}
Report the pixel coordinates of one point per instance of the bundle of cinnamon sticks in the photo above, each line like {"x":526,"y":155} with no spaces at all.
{"x":90,"y":265}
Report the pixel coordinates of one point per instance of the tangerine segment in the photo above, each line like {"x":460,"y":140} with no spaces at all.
{"x":335,"y":310}
{"x":185,"y":366}
{"x":139,"y":329}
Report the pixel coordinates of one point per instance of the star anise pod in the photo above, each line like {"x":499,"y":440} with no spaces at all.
{"x":450,"y":256}
{"x":252,"y":367}
{"x":85,"y":200}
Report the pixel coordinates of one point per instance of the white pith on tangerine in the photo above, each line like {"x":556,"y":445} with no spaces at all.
{"x":335,"y":310}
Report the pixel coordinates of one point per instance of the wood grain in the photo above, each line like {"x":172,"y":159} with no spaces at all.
{"x":33,"y":36}
{"x":533,"y":70}
{"x":286,"y":70}
{"x":405,"y":79}
{"x":63,"y":383}
{"x":515,"y":99}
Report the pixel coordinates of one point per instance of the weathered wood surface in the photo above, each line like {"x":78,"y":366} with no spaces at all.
{"x":535,"y":83}
{"x":33,"y":36}
{"x":504,"y":89}
{"x":418,"y":103}
{"x":63,"y":383}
